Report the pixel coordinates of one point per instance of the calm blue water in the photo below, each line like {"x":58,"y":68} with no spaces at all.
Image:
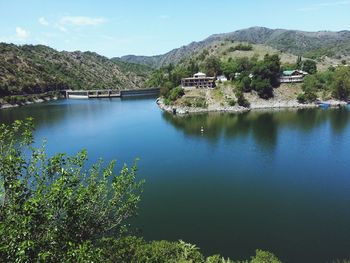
{"x":277,"y":181}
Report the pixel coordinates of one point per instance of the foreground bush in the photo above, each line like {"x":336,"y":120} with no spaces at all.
{"x":51,"y":207}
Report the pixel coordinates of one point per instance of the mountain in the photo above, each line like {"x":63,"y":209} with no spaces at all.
{"x":34,"y":69}
{"x":316,"y":45}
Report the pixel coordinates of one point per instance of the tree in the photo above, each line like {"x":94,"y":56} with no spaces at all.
{"x":341,"y":83}
{"x":266,"y":75}
{"x":212,"y":66}
{"x":268,"y":69}
{"x":178,"y":73}
{"x":310,"y":86}
{"x":229,"y":68}
{"x":299,"y":63}
{"x":241,"y":100}
{"x":263,"y":87}
{"x":192,"y":67}
{"x":309,"y":66}
{"x":244,"y":64}
{"x":51,"y":208}
{"x":245,"y":83}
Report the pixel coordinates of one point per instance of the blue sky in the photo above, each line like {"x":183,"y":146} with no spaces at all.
{"x":150,"y":27}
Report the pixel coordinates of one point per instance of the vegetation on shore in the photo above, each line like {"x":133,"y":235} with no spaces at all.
{"x":332,"y":83}
{"x":248,"y":76}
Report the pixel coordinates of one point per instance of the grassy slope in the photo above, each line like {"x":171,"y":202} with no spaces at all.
{"x":220,"y":49}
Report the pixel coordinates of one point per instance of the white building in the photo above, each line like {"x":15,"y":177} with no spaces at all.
{"x":199,"y":80}
{"x":221,"y":78}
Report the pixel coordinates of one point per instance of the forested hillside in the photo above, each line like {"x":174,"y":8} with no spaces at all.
{"x":32,"y":69}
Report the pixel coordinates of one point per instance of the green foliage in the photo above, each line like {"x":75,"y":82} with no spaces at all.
{"x":309,"y":66}
{"x":241,"y":100}
{"x":212,"y":66}
{"x":232,"y":102}
{"x":245,"y":64}
{"x":229,"y":68}
{"x":241,"y":47}
{"x":169,"y":79}
{"x":288,"y":66}
{"x":156,"y":79}
{"x":264,"y":257}
{"x":178,"y":73}
{"x":244,"y":83}
{"x":192,"y":67}
{"x":124,"y":249}
{"x":266,"y":75}
{"x":310,"y":86}
{"x":51,"y":208}
{"x":200,"y":103}
{"x":341,"y":83}
{"x":203,"y":55}
{"x":263,"y":87}
{"x":318,"y":53}
{"x":176,"y":93}
{"x":299,"y":63}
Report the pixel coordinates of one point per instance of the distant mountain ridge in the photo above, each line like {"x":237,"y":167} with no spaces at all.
{"x":308,"y":44}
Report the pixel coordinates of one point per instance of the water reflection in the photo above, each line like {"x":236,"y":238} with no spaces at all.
{"x":262,"y":126}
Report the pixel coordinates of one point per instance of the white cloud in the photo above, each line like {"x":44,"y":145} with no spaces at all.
{"x":21,"y":33}
{"x":82,"y":21}
{"x":43,"y":21}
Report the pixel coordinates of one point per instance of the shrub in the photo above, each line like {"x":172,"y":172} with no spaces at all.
{"x":306,"y":97}
{"x":54,"y":208}
{"x":200,"y":103}
{"x":264,"y":257}
{"x":263,"y":87}
{"x":176,"y":93}
{"x":341,"y":84}
{"x":232,"y":102}
{"x":241,"y":100}
{"x":301,"y":98}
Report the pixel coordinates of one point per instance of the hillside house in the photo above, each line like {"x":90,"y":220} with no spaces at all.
{"x":199,"y":80}
{"x":221,"y":78}
{"x":293,"y":76}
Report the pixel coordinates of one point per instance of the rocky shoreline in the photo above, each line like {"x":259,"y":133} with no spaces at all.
{"x":269,"y":104}
{"x":39,"y":100}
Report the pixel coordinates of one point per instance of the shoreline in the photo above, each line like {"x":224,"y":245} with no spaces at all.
{"x":35,"y":101}
{"x":267,"y":105}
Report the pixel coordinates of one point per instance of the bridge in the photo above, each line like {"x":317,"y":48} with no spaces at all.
{"x":109,"y":93}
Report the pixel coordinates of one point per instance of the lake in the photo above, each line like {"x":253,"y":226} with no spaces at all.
{"x":274,"y":180}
